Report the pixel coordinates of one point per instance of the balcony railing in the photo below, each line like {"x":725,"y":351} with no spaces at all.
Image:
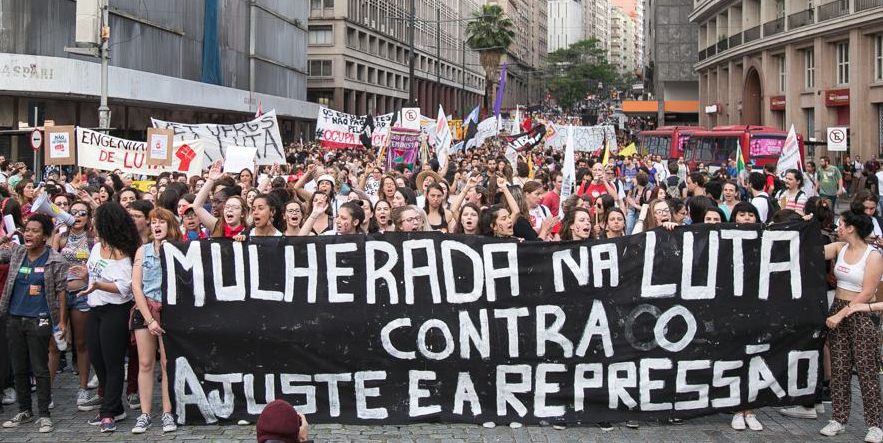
{"x":711,"y":50}
{"x":751,"y":34}
{"x":833,"y":10}
{"x":702,"y":55}
{"x":774,"y":27}
{"x":801,"y":18}
{"x":861,"y":5}
{"x":735,"y":40}
{"x":722,"y":45}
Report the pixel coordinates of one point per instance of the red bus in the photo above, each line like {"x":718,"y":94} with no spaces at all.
{"x":666,"y":141}
{"x":760,"y":144}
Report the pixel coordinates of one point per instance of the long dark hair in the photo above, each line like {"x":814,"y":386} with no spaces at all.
{"x":115,"y":227}
{"x":278,"y":221}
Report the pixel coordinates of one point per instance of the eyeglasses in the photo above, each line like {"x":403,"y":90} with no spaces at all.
{"x":80,"y":213}
{"x":231,"y":207}
{"x":292,"y":211}
{"x":662,"y":211}
{"x":411,"y":219}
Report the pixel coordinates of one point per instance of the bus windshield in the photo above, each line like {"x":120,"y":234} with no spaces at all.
{"x":658,"y":145}
{"x":711,"y":149}
{"x":761,"y":146}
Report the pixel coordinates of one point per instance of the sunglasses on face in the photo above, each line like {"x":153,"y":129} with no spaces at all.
{"x":80,"y":213}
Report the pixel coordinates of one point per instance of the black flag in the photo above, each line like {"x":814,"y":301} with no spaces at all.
{"x":367,"y":130}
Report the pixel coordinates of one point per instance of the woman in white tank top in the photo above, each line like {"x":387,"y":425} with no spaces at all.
{"x":853,"y":341}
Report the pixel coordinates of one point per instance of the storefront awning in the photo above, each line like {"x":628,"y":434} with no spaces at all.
{"x":640,"y":107}
{"x":683,"y":106}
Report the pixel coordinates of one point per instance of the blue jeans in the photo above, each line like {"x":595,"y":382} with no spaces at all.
{"x":74,"y":301}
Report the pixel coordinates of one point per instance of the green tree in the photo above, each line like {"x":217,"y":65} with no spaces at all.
{"x":490,"y":34}
{"x":574,"y":71}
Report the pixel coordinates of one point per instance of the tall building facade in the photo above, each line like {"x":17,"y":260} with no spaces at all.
{"x":192,"y":62}
{"x":359,"y":56}
{"x":566,"y":24}
{"x":597,"y":21}
{"x":777,"y":63}
{"x":670,"y":53}
{"x":623,"y":40}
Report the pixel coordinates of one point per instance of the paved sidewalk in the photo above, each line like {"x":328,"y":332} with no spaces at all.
{"x":70,"y":426}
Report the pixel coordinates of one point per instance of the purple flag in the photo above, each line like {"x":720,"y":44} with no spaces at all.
{"x":500,"y":89}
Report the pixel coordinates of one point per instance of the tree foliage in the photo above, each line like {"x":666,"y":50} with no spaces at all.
{"x":575,"y":71}
{"x":490,"y":33}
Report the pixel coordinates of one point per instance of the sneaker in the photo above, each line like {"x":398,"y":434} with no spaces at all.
{"x":826,"y":394}
{"x":874,"y":435}
{"x":489,"y":425}
{"x":800,"y":412}
{"x":9,"y":396}
{"x":515,"y":425}
{"x":93,"y":382}
{"x":21,"y":417}
{"x":108,"y":425}
{"x":168,"y":423}
{"x":820,"y":408}
{"x":51,"y":405}
{"x":605,"y":426}
{"x":832,"y":428}
{"x":675,"y":421}
{"x":632,"y":424}
{"x":90,"y":403}
{"x":142,"y":424}
{"x":738,"y":422}
{"x":97,"y":420}
{"x":133,"y":401}
{"x":753,"y":423}
{"x":44,"y":425}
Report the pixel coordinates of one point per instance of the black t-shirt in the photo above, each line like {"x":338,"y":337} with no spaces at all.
{"x":522,"y":229}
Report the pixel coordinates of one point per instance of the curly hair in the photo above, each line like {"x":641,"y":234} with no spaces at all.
{"x":115,"y":227}
{"x":278,"y":220}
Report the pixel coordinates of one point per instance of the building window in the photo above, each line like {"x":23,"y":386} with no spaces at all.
{"x":319,"y":4}
{"x":780,"y":69}
{"x":321,"y":35}
{"x":842,"y":63}
{"x":810,"y":122}
{"x":878,"y":57}
{"x":809,"y":64}
{"x":320,"y":68}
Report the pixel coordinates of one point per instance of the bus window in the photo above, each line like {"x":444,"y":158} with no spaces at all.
{"x":690,"y":149}
{"x":765,"y":146}
{"x":705,"y":151}
{"x":726,"y":149}
{"x":682,"y":143}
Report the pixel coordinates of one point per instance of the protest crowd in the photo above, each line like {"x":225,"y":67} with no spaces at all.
{"x":86,"y":294}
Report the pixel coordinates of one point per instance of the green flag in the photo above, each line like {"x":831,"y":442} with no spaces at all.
{"x":740,"y":162}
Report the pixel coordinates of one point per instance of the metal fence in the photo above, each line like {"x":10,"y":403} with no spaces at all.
{"x":773,"y":27}
{"x":802,"y":18}
{"x":861,"y":5}
{"x":735,"y":40}
{"x":833,"y":10}
{"x":751,"y":34}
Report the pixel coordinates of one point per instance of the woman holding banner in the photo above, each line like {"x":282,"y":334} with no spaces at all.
{"x":853,"y":339}
{"x":145,"y":319}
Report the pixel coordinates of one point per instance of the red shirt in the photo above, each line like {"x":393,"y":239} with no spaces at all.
{"x":552,"y":201}
{"x":596,"y":190}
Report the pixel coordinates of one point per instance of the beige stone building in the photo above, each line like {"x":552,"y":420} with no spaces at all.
{"x":624,"y":36}
{"x":527,"y":54}
{"x":358,"y":54}
{"x":775,"y":63}
{"x":597,"y":23}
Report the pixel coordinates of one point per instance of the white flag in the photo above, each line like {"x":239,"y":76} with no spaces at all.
{"x":515,"y":126}
{"x":443,"y":138}
{"x":790,"y":156}
{"x":568,"y":171}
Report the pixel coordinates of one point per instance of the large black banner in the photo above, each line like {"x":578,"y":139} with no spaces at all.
{"x":427,"y":327}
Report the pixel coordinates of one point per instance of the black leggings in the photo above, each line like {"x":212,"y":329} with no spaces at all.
{"x":107,"y":334}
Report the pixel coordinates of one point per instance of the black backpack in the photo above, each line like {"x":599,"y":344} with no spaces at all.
{"x":774,"y":207}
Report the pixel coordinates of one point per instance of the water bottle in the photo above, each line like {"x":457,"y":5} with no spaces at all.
{"x":60,"y":342}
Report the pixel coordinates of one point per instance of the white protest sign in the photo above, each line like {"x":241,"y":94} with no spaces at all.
{"x":336,"y":130}
{"x":790,"y":156}
{"x":486,"y":129}
{"x":159,"y":146}
{"x":261,"y":133}
{"x":59,"y":145}
{"x":101,"y":151}
{"x":411,"y":118}
{"x":585,"y":138}
{"x":239,"y":158}
{"x":837,"y":138}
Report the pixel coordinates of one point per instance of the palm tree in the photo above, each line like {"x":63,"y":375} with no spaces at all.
{"x":490,"y":34}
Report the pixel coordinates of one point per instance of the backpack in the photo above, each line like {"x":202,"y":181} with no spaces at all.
{"x":673,"y":187}
{"x":774,"y":207}
{"x":778,"y":186}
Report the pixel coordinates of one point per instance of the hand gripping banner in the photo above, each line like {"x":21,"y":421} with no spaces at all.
{"x":407,"y":328}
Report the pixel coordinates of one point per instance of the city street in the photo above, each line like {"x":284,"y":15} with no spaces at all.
{"x":70,"y":426}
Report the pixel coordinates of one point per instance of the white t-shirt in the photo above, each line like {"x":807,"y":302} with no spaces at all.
{"x":118,"y":272}
{"x":879,"y":175}
{"x":763,"y":206}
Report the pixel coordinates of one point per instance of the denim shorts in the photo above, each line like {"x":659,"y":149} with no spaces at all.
{"x":79,"y":303}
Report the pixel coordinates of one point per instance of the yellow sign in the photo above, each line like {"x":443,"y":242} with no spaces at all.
{"x":143,"y":185}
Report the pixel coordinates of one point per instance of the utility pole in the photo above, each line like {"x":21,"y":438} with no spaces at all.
{"x":411,"y":79}
{"x":103,"y":109}
{"x":463,"y":79}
